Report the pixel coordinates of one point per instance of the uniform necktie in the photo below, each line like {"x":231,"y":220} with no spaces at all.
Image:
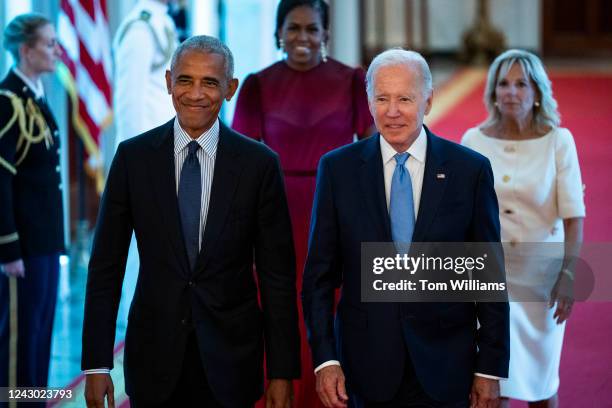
{"x":42,"y":104}
{"x":401,"y":206}
{"x":189,"y":198}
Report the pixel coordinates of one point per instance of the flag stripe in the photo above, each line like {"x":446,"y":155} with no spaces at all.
{"x":105,"y":51}
{"x":90,"y":33}
{"x":70,"y":40}
{"x":87,"y":6}
{"x":91,"y":146}
{"x":96,"y":104}
{"x":96,"y":73}
{"x":66,"y":7}
{"x":84,"y":37}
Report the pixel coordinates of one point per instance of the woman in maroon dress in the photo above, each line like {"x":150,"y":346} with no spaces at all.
{"x":302,"y":107}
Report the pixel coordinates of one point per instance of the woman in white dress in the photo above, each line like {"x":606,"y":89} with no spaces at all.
{"x":539,"y":188}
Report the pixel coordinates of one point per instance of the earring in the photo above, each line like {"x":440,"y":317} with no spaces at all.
{"x":324,"y":52}
{"x":496,"y":104}
{"x":537,"y":104}
{"x":281,"y":44}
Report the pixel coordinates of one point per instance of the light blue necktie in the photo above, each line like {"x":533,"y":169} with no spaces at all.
{"x":401,"y":206}
{"x":189,"y":198}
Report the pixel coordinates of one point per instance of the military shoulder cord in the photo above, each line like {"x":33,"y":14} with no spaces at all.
{"x":167,"y":51}
{"x":32,"y":115}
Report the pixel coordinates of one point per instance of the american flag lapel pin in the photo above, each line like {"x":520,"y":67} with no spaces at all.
{"x":440,"y":176}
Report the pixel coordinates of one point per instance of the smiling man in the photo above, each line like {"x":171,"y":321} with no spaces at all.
{"x":402,"y":185}
{"x":204,"y":203}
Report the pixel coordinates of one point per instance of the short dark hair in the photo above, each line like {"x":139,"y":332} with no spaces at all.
{"x":285,"y":7}
{"x":23,"y":30}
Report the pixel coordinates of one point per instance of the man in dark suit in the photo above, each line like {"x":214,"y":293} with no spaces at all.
{"x":403,"y":185}
{"x":204,"y":202}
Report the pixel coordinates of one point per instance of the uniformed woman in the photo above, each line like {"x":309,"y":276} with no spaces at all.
{"x":31,"y":221}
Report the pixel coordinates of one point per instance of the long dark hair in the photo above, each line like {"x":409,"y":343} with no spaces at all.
{"x":285,"y":7}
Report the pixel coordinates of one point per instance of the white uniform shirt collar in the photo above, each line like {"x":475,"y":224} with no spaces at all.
{"x":208,"y":140}
{"x":417,"y":150}
{"x":36,"y":88}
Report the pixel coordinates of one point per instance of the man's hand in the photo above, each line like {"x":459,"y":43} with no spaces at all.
{"x":485,"y":393}
{"x":13,"y":269}
{"x":279,"y":394}
{"x":97,"y":386}
{"x":330,"y":387}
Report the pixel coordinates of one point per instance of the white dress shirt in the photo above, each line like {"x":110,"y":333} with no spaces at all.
{"x":415,"y":166}
{"x":207,"y":155}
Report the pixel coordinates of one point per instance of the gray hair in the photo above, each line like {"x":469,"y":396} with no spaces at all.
{"x":208,"y":45}
{"x":546,"y":115}
{"x":23,"y":30}
{"x":399,"y":56}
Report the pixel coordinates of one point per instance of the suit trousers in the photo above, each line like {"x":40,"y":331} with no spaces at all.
{"x":36,"y":300}
{"x":409,"y":395}
{"x":192,"y":389}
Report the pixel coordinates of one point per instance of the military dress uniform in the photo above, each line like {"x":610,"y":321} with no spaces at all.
{"x":31,"y":229}
{"x":142,"y":49}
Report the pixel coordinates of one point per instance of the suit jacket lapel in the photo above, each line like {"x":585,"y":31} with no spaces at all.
{"x":433,"y":187}
{"x":224,"y":183}
{"x":373,"y":186}
{"x":164,"y":184}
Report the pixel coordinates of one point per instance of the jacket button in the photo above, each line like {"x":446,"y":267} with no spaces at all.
{"x":190,"y":283}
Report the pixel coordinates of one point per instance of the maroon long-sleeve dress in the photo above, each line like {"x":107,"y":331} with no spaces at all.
{"x":302,"y":115}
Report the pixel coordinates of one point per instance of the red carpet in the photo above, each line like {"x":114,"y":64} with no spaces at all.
{"x":586,"y":109}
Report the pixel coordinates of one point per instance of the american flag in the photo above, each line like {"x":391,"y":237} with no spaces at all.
{"x":85,"y":71}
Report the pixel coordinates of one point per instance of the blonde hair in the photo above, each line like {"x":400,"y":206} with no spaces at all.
{"x":546,"y":115}
{"x":23,"y":30}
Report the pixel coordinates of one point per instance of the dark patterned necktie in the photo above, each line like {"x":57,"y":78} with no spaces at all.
{"x":189,"y":198}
